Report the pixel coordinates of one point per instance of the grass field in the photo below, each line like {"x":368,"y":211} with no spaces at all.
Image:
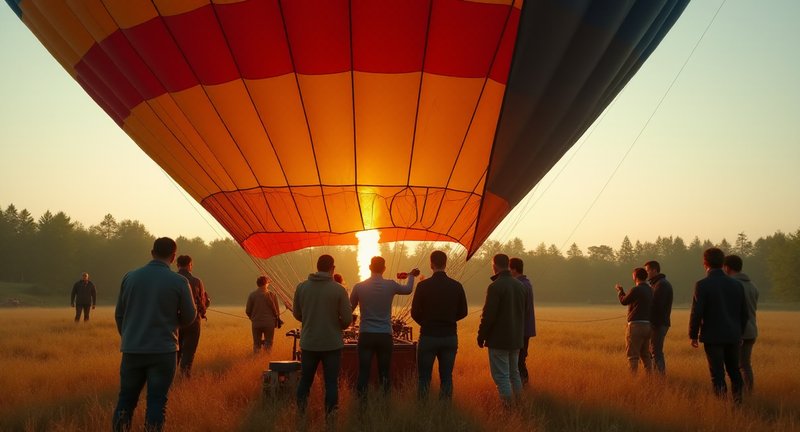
{"x":58,"y":376}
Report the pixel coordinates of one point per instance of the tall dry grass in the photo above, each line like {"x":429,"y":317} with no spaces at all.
{"x":59,"y":376}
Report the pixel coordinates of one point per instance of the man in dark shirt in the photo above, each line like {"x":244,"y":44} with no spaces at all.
{"x":189,"y":336}
{"x":637,"y":335}
{"x":262,"y":309}
{"x":659,"y":313}
{"x":718,"y":318}
{"x":83,"y":297}
{"x":516,"y":265}
{"x":438,"y":304}
{"x":501,"y":328}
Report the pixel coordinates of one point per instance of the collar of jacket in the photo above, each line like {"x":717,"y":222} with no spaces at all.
{"x":158,"y":262}
{"x":716,"y":272}
{"x":502,"y":274}
{"x":741,"y":276}
{"x":657,"y":278}
{"x":184,"y":272}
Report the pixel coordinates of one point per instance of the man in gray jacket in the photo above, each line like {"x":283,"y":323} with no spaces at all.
{"x":321,"y":304}
{"x":262,"y":309}
{"x":733,"y":268}
{"x":153,"y":303}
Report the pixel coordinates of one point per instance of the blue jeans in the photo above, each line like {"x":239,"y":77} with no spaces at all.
{"x":659,"y":333}
{"x":374,"y":345}
{"x":505,"y":373}
{"x":744,"y":364}
{"x":431,"y":348}
{"x":136,"y":370}
{"x":722,"y":358}
{"x":331,"y":361}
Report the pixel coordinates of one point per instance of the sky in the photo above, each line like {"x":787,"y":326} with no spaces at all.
{"x":708,"y":147}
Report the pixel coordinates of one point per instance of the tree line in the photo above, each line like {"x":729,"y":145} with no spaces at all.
{"x":50,"y":252}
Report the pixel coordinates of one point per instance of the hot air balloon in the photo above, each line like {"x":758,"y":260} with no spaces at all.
{"x":300,"y":123}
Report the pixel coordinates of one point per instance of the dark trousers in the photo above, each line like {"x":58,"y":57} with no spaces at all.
{"x":373,"y":345}
{"x":263,"y":336}
{"x":188,"y":338}
{"x":331,"y":362}
{"x":84,"y":308}
{"x":136,"y":370}
{"x":744,"y":364}
{"x":443,"y":349}
{"x":523,"y":355}
{"x":657,"y":337}
{"x":722,"y":358}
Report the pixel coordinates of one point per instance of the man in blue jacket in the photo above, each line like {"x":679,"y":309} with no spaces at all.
{"x":153,"y":303}
{"x":717,"y":319}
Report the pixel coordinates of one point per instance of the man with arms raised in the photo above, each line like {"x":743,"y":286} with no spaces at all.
{"x":375,"y":296}
{"x":153,"y":303}
{"x":438,"y":304}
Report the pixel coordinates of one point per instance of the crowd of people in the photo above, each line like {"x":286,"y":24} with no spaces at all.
{"x":159,"y":314}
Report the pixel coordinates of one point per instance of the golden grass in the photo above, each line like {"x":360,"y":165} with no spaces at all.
{"x":59,"y":376}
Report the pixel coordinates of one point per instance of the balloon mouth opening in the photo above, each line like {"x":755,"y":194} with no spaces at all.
{"x":367,"y":248}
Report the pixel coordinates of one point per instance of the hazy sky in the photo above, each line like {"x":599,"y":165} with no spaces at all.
{"x":720,"y":156}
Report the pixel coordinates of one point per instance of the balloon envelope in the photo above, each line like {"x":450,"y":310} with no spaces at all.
{"x":298,"y":123}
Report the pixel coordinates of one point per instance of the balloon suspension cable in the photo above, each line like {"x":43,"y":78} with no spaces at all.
{"x":647,"y":123}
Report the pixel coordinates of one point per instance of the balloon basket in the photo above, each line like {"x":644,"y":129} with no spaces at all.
{"x":281,"y":379}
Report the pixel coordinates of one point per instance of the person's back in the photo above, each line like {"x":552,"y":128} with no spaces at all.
{"x":153,"y":302}
{"x":375,"y":295}
{"x":502,"y":324}
{"x":751,"y":299}
{"x":719,"y":311}
{"x":439,"y":302}
{"x":322,"y":306}
{"x":145,"y":313}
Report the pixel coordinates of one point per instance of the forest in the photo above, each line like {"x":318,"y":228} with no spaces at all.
{"x":42,"y":257}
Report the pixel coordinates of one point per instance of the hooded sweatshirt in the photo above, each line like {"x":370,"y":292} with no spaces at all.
{"x":322,"y":306}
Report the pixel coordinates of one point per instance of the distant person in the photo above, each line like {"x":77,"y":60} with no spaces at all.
{"x":439,"y":303}
{"x":262,"y":309}
{"x":339,"y":279}
{"x":189,"y":336}
{"x":637,"y":334}
{"x":717,"y":319}
{"x":375,"y":296}
{"x":322,"y":306}
{"x":153,"y":303}
{"x":733,"y":268}
{"x":659,"y":313}
{"x":502,"y":328}
{"x":83,"y":297}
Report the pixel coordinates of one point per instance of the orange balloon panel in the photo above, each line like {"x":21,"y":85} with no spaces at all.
{"x":298,"y":123}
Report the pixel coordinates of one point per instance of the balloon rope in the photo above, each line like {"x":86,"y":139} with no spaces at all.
{"x":652,"y":114}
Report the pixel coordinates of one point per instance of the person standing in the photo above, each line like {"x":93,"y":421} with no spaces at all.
{"x":516,"y":266}
{"x":189,"y":336}
{"x":375,"y":296}
{"x":502,"y":328}
{"x":659,"y":313}
{"x":153,"y":303}
{"x":438,"y":304}
{"x":637,"y":335}
{"x":717,"y":319}
{"x":83,"y":297}
{"x":321,"y":305}
{"x":733,"y":268}
{"x":262,"y":309}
